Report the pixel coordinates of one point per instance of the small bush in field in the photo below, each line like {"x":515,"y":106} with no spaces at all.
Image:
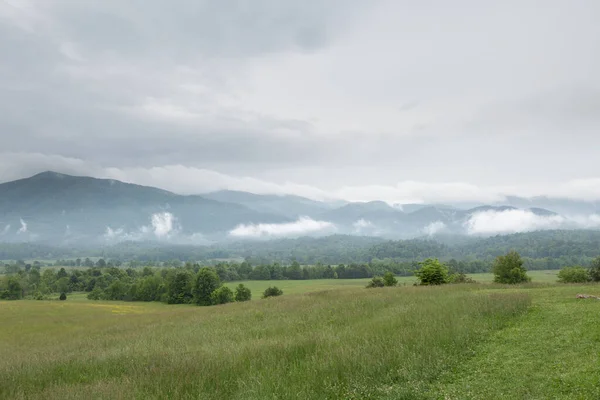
{"x":222,"y":295}
{"x":272,"y":292}
{"x":573,"y":275}
{"x":377,"y":281}
{"x":95,"y":294}
{"x":509,"y":269}
{"x":389,"y":279}
{"x":242,"y":293}
{"x":460,"y":278}
{"x":63,"y":296}
{"x":432,"y":272}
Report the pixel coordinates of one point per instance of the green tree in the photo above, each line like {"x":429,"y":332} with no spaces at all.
{"x":573,"y":275}
{"x":375,"y":282}
{"x":62,"y":273}
{"x":150,"y":288}
{"x":294,"y":271}
{"x":508,"y":269}
{"x":179,"y":290}
{"x":272,"y":291}
{"x":221,"y":295}
{"x":594,"y":271}
{"x":432,"y":272}
{"x":242,"y":293}
{"x":389,"y":279}
{"x":11,"y":288}
{"x":207,"y":281}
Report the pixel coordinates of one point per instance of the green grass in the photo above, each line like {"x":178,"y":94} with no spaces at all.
{"x":553,"y":352}
{"x":321,"y":340}
{"x":292,"y":287}
{"x":343,"y":343}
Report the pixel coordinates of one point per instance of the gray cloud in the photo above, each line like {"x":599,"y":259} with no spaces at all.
{"x":323,"y":98}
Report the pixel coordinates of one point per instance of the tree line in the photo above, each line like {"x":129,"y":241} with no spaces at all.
{"x":539,"y":250}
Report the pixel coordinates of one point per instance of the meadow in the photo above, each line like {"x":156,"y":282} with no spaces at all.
{"x":317,"y":341}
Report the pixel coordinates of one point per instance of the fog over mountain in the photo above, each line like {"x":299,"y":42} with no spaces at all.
{"x":56,"y":208}
{"x":276,"y":118}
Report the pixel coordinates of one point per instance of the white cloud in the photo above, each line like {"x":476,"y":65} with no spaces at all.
{"x":512,"y":221}
{"x":302,"y":226}
{"x":162,"y":224}
{"x":434,"y":227}
{"x":362,"y":225}
{"x":23,"y":228}
{"x":113,"y":234}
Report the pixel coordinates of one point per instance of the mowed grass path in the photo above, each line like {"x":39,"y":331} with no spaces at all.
{"x":553,"y":352}
{"x":348,"y":343}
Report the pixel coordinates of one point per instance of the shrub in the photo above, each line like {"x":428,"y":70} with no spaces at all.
{"x":389,"y":279}
{"x":63,"y":296}
{"x":12,"y":289}
{"x":95,"y":294}
{"x":573,"y":275}
{"x":222,"y":295}
{"x":207,"y":281}
{"x":377,"y":281}
{"x":432,"y":272}
{"x":509,"y":269}
{"x":594,"y":271}
{"x":460,"y":277}
{"x":242,"y":293}
{"x":272,"y":292}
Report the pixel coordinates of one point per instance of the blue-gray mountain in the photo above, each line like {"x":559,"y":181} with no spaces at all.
{"x":57,"y":208}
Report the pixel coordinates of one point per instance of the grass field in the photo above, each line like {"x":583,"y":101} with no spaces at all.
{"x":292,"y":287}
{"x":318,"y":341}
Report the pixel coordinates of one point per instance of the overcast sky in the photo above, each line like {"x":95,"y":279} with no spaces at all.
{"x":396,"y":100}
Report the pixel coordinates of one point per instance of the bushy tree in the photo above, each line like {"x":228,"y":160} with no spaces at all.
{"x":460,"y":277}
{"x":508,"y":269}
{"x":573,"y":275}
{"x":375,"y":282}
{"x":594,"y":271}
{"x":95,"y":294}
{"x":242,"y":293}
{"x":207,"y":281}
{"x":63,"y":296}
{"x":11,"y":289}
{"x":432,"y":272}
{"x":179,"y":290}
{"x":221,"y":295}
{"x":272,"y":291}
{"x":389,"y":279}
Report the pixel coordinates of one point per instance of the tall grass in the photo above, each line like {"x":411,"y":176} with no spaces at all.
{"x":338,"y":344}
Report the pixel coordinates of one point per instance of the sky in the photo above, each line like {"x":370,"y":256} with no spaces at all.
{"x":402,"y":101}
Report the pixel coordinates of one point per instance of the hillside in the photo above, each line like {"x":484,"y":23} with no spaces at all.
{"x":57,"y":207}
{"x":61,"y":209}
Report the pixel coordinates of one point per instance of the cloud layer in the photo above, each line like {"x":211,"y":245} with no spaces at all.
{"x":513,"y":221}
{"x":400,"y":101}
{"x":303,"y":226}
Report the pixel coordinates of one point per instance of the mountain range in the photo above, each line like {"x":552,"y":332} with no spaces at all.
{"x":58,"y":208}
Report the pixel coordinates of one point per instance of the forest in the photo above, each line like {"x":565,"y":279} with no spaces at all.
{"x":540,"y":250}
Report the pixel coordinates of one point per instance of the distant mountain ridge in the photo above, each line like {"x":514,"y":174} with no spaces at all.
{"x":60,"y":208}
{"x":50,"y":204}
